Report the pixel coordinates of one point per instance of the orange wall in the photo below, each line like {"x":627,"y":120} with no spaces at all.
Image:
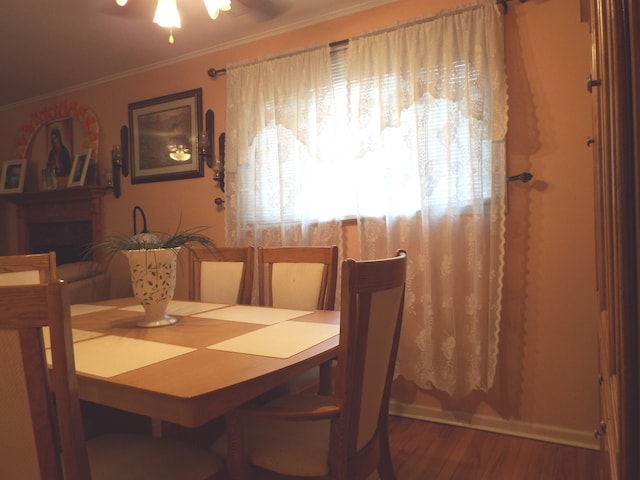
{"x":548,"y":342}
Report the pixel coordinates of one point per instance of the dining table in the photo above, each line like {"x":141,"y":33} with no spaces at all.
{"x":213,"y":359}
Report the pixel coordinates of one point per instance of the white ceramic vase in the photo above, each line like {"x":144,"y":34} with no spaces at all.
{"x":153,"y":278}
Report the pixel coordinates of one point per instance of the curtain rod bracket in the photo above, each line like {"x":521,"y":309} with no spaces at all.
{"x":524,"y":177}
{"x":503,"y":4}
{"x":213,"y":72}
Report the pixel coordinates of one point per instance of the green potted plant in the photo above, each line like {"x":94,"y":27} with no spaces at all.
{"x":152,"y":262}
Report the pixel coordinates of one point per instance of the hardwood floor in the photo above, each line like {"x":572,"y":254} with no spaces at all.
{"x":420,"y":450}
{"x":431,"y":451}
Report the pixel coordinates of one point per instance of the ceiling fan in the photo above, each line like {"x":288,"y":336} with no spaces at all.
{"x":266,"y":8}
{"x":167,"y":14}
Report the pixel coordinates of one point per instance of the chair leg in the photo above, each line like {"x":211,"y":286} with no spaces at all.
{"x":326,"y":380}
{"x":385,"y":467}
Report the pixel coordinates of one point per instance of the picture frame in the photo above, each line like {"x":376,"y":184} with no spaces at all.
{"x":60,"y":146}
{"x":12,"y":175}
{"x":164,"y":136}
{"x":78,"y":172}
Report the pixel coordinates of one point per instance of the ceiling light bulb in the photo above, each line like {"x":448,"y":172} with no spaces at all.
{"x":122,"y":3}
{"x":167,"y":14}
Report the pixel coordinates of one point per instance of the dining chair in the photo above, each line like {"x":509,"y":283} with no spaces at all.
{"x":300,"y":278}
{"x":343,"y":436}
{"x":41,"y":433}
{"x":27,"y":269}
{"x":221,"y":275}
{"x":303,"y":278}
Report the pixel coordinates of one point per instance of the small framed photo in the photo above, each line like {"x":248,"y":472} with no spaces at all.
{"x":79,"y":168}
{"x":164,"y":137}
{"x":12,"y":176}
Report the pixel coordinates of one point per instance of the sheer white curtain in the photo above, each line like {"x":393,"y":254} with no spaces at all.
{"x":428,"y":101}
{"x":406,"y":134}
{"x":280,"y":130}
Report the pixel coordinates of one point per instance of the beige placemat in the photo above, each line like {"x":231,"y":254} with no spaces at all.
{"x":181,"y":307}
{"x":281,"y":340}
{"x":77,"y":334}
{"x":250,"y":314}
{"x":82,"y":308}
{"x":111,"y":355}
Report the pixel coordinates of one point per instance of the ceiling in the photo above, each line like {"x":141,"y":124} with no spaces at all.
{"x":51,"y":46}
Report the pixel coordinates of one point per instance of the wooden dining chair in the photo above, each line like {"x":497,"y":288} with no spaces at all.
{"x":222,"y":275}
{"x":27,"y":269}
{"x":343,"y":436}
{"x":41,"y":434}
{"x":300,"y":278}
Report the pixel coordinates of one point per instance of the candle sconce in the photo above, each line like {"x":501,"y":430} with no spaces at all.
{"x":206,"y":150}
{"x":218,"y":171}
{"x":205,"y":140}
{"x":119,"y":163}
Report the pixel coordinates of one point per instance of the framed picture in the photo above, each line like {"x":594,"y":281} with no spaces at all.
{"x":12,"y":176}
{"x":79,"y":168}
{"x":60,"y":140}
{"x":164,"y":137}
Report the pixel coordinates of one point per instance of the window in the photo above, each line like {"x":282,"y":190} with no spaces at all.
{"x":436,"y":129}
{"x":405,"y":131}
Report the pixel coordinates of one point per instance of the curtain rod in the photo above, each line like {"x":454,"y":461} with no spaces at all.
{"x":214,"y":72}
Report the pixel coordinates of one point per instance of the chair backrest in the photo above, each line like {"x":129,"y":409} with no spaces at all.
{"x":39,"y":438}
{"x":224,"y":275}
{"x":28,"y":269}
{"x":372,"y":302}
{"x":302,"y":278}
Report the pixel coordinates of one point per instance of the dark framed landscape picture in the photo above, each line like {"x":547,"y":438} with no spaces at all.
{"x":164,"y":137}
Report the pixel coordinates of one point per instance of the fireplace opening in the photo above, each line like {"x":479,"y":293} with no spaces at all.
{"x":70,"y":240}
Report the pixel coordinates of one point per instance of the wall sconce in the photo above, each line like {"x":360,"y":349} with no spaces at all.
{"x":205,"y":141}
{"x":218,"y":171}
{"x":119,"y":162}
{"x":205,"y":146}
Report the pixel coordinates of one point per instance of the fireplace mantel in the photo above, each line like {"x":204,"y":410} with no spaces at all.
{"x":46,"y":217}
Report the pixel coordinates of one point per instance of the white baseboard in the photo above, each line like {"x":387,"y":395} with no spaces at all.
{"x":546,"y":433}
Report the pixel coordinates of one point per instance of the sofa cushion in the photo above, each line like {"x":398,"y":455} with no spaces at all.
{"x":72,"y":272}
{"x":87,"y":281}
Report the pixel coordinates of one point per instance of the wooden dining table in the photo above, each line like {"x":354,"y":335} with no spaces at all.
{"x":216,"y":357}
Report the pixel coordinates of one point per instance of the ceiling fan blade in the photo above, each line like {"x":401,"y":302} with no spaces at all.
{"x":267,"y":8}
{"x":134,"y":9}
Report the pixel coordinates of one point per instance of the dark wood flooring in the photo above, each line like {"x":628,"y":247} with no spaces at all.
{"x":420,"y":450}
{"x":431,"y":451}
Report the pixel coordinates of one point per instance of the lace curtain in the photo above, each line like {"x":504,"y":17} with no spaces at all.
{"x":429,"y":105}
{"x":279,"y":151}
{"x":406,"y":134}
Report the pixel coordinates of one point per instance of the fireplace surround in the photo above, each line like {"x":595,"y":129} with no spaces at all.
{"x":66,"y":221}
